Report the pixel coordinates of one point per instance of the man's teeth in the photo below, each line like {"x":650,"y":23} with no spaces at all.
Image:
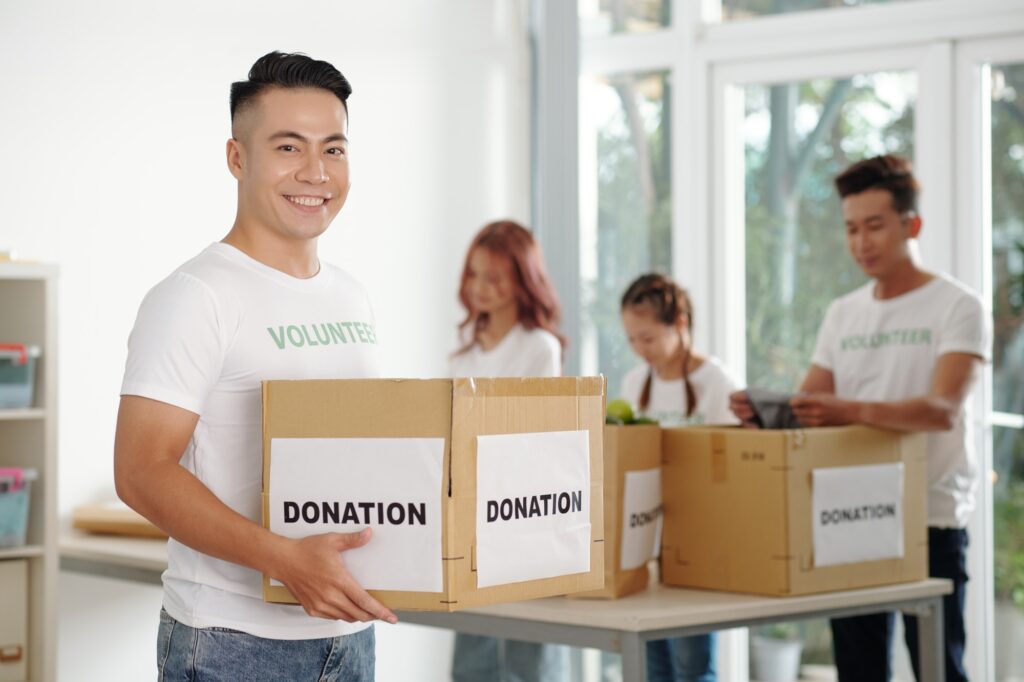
{"x":307,"y":201}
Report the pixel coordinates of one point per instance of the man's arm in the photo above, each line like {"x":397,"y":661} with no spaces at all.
{"x":955,"y":376}
{"x":151,"y":437}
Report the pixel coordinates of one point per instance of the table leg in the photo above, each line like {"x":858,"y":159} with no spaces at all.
{"x":930,"y":642}
{"x":634,"y":658}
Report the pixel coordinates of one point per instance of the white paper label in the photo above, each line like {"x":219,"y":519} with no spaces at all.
{"x":343,"y":485}
{"x":533,"y":506}
{"x":858,"y":514}
{"x":641,"y":518}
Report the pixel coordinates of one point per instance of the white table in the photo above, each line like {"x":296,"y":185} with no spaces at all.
{"x":623,"y":625}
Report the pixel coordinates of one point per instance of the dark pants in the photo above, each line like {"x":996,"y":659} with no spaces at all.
{"x":863,"y":644}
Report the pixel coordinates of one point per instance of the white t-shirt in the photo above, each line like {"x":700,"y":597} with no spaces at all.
{"x":204,"y":339}
{"x":521,"y":353}
{"x":887,"y":350}
{"x":711,"y":383}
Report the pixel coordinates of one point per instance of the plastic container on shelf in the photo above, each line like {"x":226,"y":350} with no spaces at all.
{"x":15,"y":488}
{"x":17,"y":375}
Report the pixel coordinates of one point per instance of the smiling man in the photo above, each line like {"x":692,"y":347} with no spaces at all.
{"x":901,"y":352}
{"x":257,"y":305}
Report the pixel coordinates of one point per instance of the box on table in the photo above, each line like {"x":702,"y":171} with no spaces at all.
{"x":114,"y":518}
{"x":407,"y":453}
{"x":17,"y":375}
{"x":789,"y":512}
{"x":632,"y":508}
{"x":14,"y":620}
{"x":15,"y":496}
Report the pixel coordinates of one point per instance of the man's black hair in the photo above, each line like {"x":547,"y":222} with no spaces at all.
{"x":889,"y":172}
{"x":288,"y":70}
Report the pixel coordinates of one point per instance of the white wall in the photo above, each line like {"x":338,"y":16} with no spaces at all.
{"x":115,"y":116}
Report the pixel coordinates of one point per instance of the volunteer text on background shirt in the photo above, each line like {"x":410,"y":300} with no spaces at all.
{"x":520,"y":353}
{"x":203,"y":340}
{"x":711,"y":384}
{"x":887,"y":350}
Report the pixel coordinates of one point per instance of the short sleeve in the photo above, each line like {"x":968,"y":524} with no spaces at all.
{"x":824,"y":348}
{"x":545,"y":356}
{"x":714,"y":404}
{"x":966,"y":329}
{"x":175,"y":350}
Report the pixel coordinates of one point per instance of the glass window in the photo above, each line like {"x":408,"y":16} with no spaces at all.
{"x":744,"y":9}
{"x":602,"y":17}
{"x":797,"y":137}
{"x":625,"y":206}
{"x":1007,"y":174}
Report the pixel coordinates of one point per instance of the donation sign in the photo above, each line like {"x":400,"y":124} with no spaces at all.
{"x":533,"y":506}
{"x":858,"y":514}
{"x":641,"y":518}
{"x":343,"y":485}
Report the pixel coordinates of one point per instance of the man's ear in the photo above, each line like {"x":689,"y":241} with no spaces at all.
{"x":914,"y":224}
{"x":235,"y":157}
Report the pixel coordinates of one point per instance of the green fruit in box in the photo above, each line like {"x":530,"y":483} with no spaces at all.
{"x":620,"y":410}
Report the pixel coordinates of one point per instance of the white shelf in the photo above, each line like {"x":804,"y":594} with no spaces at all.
{"x":8,"y":414}
{"x":24,"y":552}
{"x":28,"y":298}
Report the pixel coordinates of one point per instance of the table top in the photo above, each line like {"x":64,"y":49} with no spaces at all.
{"x":142,"y":553}
{"x":659,"y":607}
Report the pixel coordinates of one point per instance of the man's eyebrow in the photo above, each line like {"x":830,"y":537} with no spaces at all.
{"x":290,"y":134}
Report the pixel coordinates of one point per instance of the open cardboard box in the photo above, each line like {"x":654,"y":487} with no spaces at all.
{"x":738,"y":508}
{"x":458,"y":412}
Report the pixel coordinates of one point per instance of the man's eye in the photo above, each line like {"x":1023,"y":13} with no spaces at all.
{"x":287,"y":148}
{"x":336,"y":151}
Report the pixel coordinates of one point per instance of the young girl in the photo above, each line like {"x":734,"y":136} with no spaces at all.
{"x":510,"y":330}
{"x":675,"y":385}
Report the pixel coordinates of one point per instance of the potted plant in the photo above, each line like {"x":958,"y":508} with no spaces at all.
{"x":775,"y":653}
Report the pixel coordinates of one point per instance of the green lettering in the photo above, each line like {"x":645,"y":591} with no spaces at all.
{"x":348,"y":326}
{"x":326,"y":338}
{"x":309,"y":339}
{"x":359,"y":330}
{"x":295,"y":336}
{"x":337,"y":333}
{"x":278,"y":338}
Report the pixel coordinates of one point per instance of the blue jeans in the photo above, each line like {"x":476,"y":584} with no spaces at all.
{"x":486,"y":659}
{"x":187,"y":654}
{"x":683,"y":659}
{"x":863,"y":644}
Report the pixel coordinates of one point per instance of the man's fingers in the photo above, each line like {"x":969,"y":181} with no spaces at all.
{"x":362,"y":599}
{"x":343,"y":541}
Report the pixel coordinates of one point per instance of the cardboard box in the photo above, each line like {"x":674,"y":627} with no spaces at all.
{"x":13,"y":620}
{"x":457,"y":416}
{"x":630,"y":452}
{"x":739,"y":509}
{"x":114,"y":518}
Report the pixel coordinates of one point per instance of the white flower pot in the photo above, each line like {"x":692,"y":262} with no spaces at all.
{"x":774,"y":660}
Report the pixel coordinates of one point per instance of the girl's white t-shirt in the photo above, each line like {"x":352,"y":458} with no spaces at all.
{"x":203,"y":340}
{"x":887,"y":350}
{"x":521,"y":353}
{"x":711,"y":383}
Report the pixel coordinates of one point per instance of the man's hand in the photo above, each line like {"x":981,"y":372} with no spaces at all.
{"x":823,"y":409}
{"x":739,"y":403}
{"x":313,"y":569}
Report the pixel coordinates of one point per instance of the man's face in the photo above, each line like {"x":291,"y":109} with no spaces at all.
{"x":876,"y":234}
{"x":290,"y":156}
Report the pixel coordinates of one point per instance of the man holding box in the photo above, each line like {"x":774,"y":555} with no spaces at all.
{"x":188,"y":451}
{"x":902,"y":352}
